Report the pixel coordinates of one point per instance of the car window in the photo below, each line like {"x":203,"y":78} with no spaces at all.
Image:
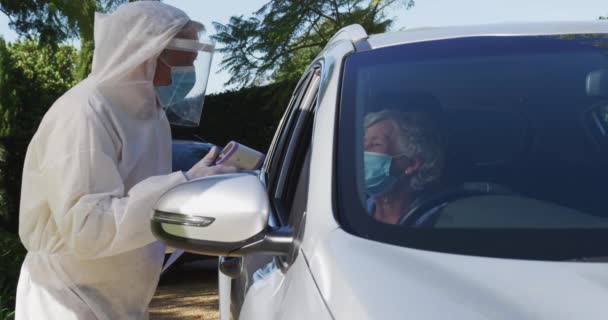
{"x":295,"y":152}
{"x":497,"y":138}
{"x":276,"y":152}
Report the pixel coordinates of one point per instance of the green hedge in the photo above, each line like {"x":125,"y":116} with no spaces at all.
{"x":12,"y":254}
{"x":12,"y":156}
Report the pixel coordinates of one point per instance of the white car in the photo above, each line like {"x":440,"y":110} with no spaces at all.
{"x":482,"y":195}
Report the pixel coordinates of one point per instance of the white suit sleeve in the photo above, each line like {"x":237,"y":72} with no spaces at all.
{"x":87,"y":198}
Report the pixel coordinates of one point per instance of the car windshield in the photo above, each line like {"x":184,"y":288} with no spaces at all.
{"x":484,"y":137}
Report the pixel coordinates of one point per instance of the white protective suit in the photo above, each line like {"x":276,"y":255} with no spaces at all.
{"x":93,"y":171}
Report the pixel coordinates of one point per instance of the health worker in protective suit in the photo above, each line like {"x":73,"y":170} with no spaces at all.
{"x":100,"y":160}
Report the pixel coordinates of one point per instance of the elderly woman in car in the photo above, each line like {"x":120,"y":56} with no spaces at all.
{"x":403,"y":161}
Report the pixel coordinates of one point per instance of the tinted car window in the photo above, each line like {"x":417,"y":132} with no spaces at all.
{"x":483,"y":137}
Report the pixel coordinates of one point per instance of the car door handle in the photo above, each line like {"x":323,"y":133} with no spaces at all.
{"x":231,"y":266}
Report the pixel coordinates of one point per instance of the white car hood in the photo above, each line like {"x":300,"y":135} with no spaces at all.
{"x":362,"y":279}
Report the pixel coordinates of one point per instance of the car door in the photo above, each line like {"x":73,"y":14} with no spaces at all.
{"x":285,"y":174}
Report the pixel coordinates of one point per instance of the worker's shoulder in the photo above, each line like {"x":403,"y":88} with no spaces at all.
{"x":71,"y":125}
{"x":73,"y":108}
{"x":71,"y":121}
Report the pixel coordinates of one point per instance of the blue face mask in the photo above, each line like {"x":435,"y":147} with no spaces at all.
{"x":378,"y":179}
{"x":182,"y":81}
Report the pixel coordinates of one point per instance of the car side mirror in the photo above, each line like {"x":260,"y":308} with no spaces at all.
{"x":224,"y":215}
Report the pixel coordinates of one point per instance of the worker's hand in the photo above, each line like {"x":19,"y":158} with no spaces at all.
{"x":206,"y":168}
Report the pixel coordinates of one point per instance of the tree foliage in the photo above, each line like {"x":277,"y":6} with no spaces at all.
{"x":32,"y":76}
{"x":55,"y":21}
{"x":281,"y":38}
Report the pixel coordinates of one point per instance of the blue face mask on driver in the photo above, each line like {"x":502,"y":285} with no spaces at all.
{"x":378,"y":178}
{"x":182,"y":81}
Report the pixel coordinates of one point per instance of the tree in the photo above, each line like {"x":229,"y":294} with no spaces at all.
{"x":54,"y":21}
{"x":603,"y":18}
{"x":281,"y":38}
{"x":29,"y":68}
{"x":6,"y":94}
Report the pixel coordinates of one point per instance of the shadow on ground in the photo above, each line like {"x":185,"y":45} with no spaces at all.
{"x":187,"y":291}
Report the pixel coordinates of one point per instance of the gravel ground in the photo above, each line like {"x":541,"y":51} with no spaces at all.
{"x":187,"y":291}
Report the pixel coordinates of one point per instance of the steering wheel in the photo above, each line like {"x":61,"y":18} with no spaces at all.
{"x":469,"y":189}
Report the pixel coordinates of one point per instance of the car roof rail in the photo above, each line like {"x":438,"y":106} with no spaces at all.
{"x":353,"y":32}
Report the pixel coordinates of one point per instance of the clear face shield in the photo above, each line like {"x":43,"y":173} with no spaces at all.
{"x":181,"y":91}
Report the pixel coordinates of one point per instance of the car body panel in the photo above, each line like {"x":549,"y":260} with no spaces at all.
{"x":363,"y":279}
{"x":513,"y":29}
{"x":319,"y":216}
{"x":224,"y":292}
{"x":291,"y":295}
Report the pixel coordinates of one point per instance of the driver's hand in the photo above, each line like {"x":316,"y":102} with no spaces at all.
{"x":206,"y":168}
